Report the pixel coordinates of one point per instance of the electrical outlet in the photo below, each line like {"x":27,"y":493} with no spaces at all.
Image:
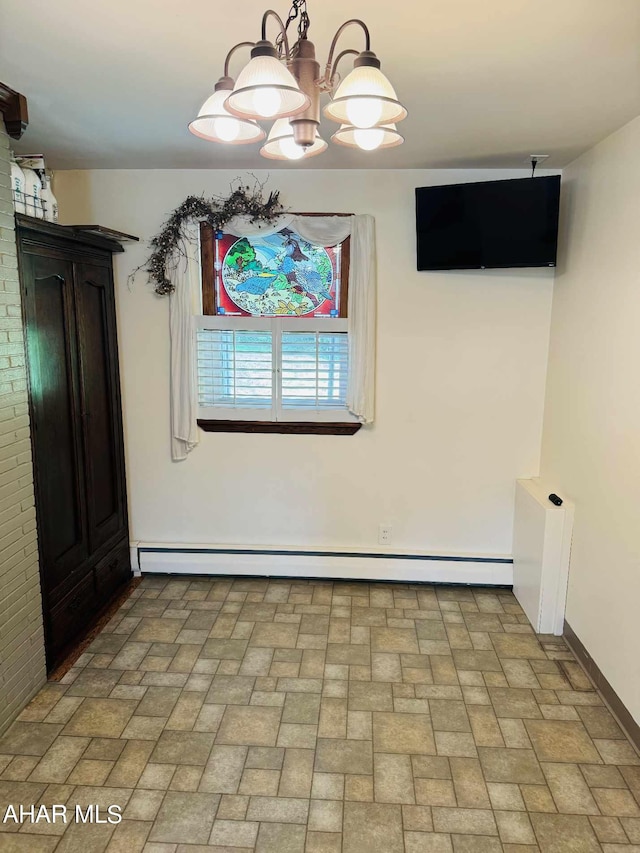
{"x":385,"y":534}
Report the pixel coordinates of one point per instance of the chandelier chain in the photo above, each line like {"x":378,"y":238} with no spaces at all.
{"x":298,"y":11}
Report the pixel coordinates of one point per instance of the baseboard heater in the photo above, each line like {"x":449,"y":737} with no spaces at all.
{"x":154,"y":558}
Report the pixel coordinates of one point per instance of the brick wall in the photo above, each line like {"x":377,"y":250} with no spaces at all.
{"x":22,"y":663}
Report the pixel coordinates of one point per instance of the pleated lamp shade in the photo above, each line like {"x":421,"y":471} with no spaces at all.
{"x":265,"y":88}
{"x":365,"y":98}
{"x":215,"y":124}
{"x":368,"y":138}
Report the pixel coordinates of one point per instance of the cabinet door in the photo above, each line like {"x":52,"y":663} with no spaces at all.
{"x":55,"y":402}
{"x":100,"y":392}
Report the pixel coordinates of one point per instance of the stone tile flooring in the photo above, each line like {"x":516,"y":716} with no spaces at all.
{"x":299,"y":716}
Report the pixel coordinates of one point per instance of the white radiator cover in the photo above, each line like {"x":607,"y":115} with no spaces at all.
{"x":541,"y":554}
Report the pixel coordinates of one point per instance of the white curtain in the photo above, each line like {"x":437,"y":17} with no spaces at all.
{"x":321,"y":230}
{"x":361,"y":311}
{"x":243,"y":227}
{"x":185,"y":304}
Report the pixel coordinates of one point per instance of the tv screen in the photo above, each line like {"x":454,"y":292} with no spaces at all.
{"x":510,"y":223}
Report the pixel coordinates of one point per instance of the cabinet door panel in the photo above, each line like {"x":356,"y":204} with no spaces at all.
{"x":101,"y":402}
{"x":54,"y":386}
{"x":114,"y":570}
{"x":67,"y":618}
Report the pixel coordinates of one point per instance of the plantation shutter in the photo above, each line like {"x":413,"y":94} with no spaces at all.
{"x":314,"y":370}
{"x":235,"y":369}
{"x":276,"y":369}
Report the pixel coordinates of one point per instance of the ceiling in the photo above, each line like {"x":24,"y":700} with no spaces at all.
{"x":114,"y":84}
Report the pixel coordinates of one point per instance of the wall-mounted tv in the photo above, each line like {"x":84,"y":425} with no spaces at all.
{"x":511,"y":223}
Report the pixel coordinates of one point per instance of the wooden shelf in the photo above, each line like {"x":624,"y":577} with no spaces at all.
{"x":70,"y":233}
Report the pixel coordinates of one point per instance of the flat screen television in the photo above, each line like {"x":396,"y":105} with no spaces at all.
{"x":511,"y":223}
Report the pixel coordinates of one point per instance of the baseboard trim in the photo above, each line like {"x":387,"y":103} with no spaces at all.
{"x":615,"y":703}
{"x":326,"y":564}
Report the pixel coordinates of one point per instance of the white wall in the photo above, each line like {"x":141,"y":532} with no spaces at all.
{"x":591,"y":449}
{"x":460,"y":388}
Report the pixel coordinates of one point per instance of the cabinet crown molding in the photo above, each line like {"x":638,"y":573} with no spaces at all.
{"x":13,"y":107}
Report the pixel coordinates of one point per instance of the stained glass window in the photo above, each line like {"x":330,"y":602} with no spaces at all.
{"x":272,"y":344}
{"x":277,"y":275}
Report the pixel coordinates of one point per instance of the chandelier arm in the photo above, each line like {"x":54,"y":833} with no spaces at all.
{"x":334,"y":67}
{"x":283,"y":30}
{"x":232,"y":51}
{"x":339,"y":32}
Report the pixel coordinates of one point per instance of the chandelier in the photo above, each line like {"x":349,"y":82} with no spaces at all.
{"x":282,"y":83}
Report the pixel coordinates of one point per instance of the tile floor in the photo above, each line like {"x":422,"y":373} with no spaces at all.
{"x":312,"y":717}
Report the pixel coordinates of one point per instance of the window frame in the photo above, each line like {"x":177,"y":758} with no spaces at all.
{"x":338,"y":421}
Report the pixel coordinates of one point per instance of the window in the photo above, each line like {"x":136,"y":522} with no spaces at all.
{"x":272,"y":344}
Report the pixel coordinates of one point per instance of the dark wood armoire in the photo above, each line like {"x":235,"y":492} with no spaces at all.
{"x":76,"y":425}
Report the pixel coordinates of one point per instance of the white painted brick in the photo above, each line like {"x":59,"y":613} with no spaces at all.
{"x":7,"y":413}
{"x":27,"y":496}
{"x":12,"y":399}
{"x":17,"y":495}
{"x":27,"y":605}
{"x":15,"y":375}
{"x":22,"y":678}
{"x":14,"y":631}
{"x":11,"y":543}
{"x":19,"y":522}
{"x":15,"y":474}
{"x":10,"y":462}
{"x":22,"y":664}
{"x":23,"y":608}
{"x":18,"y":565}
{"x":17,"y":423}
{"x":9,"y":350}
{"x":11,"y":436}
{"x":10,"y":324}
{"x":31,"y":547}
{"x":29,"y":526}
{"x":21,"y":592}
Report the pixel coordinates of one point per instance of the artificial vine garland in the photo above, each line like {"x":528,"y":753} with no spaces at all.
{"x":216,"y":211}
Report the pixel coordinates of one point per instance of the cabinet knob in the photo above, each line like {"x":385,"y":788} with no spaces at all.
{"x":75,"y":603}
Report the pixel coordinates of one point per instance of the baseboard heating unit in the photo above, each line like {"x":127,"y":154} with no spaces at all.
{"x":162,"y":558}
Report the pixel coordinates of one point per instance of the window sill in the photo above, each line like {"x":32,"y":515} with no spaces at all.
{"x":284,"y":427}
